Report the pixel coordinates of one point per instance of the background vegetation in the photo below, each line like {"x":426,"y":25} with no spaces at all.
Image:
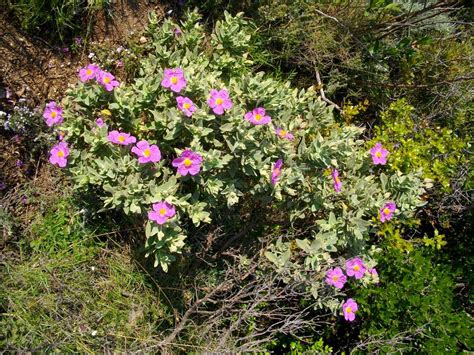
{"x":400,"y":69}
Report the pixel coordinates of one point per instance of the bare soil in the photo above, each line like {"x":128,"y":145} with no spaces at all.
{"x":33,"y":69}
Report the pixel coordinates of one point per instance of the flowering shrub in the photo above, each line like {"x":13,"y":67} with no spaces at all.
{"x":414,"y":145}
{"x":219,"y":142}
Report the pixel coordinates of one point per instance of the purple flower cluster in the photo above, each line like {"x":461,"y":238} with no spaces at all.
{"x":92,"y":71}
{"x":354,"y":268}
{"x":219,"y":102}
{"x":189,"y":162}
{"x":379,"y":157}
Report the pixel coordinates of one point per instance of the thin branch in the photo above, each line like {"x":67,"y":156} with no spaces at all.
{"x":321,"y":91}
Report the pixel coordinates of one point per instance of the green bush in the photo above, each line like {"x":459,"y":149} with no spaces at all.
{"x":237,"y":157}
{"x":414,"y":308}
{"x":413,"y":145}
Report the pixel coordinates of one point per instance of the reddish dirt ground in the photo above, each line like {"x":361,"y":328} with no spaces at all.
{"x":33,"y":69}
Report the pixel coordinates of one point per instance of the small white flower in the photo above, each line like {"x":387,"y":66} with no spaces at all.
{"x":94,"y":333}
{"x":91,"y":55}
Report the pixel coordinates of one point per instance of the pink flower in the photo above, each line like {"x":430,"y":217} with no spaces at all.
{"x":379,"y":154}
{"x":186,"y":105}
{"x":349,"y":308}
{"x":174,"y":79}
{"x":162,"y":211}
{"x":336,"y":278}
{"x":188,"y":162}
{"x":387,"y":211}
{"x":219,"y":101}
{"x":373,"y":273}
{"x":177,"y":32}
{"x":257,"y":117}
{"x":99,"y":122}
{"x":147,"y":153}
{"x":121,"y":138}
{"x":88,"y":73}
{"x":58,"y":154}
{"x":107,"y":80}
{"x":355,"y":267}
{"x":337,"y":182}
{"x":276,"y":171}
{"x":53,"y":114}
{"x":284,"y":134}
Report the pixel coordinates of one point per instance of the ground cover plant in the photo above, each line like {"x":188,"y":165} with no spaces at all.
{"x":72,"y":291}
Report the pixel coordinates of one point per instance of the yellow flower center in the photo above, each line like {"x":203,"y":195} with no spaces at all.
{"x":187,"y":162}
{"x":378,"y":154}
{"x":356,"y":268}
{"x":89,"y":72}
{"x":162,"y":211}
{"x":121,"y":139}
{"x":348,"y":310}
{"x":276,"y":171}
{"x":54,"y":114}
{"x":146,"y":153}
{"x":282,"y":132}
{"x":337,"y":180}
{"x":60,"y":154}
{"x":258,"y":117}
{"x":335,"y":278}
{"x":186,"y":105}
{"x":219,"y":101}
{"x":174,"y":80}
{"x":386,"y":211}
{"x":106,"y":80}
